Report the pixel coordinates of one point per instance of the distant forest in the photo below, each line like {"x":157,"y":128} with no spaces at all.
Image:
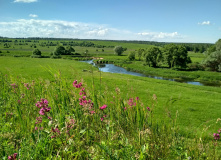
{"x":195,"y":47}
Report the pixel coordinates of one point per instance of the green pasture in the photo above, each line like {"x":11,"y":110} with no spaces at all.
{"x":196,"y":107}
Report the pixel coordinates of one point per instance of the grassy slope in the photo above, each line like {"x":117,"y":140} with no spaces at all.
{"x":196,"y":105}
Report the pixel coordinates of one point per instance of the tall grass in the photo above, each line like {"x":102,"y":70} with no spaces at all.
{"x":63,"y":119}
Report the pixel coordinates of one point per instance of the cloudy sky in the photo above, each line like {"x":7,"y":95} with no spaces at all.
{"x":151,"y":20}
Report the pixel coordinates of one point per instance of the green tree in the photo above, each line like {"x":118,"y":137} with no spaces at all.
{"x":118,"y":50}
{"x":153,"y":56}
{"x":59,"y":50}
{"x":131,"y":55}
{"x":140,"y":52}
{"x":211,"y":49}
{"x":218,"y":45}
{"x":36,"y":52}
{"x":69,"y":50}
{"x":213,"y":61}
{"x":175,"y":55}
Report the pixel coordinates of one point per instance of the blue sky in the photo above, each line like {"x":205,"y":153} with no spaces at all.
{"x":151,"y":20}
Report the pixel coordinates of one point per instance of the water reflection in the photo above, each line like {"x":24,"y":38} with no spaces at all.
{"x":115,"y":69}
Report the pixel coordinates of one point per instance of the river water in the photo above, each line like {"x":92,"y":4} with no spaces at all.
{"x":115,"y":69}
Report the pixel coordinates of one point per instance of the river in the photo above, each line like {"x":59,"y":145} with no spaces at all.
{"x":115,"y":69}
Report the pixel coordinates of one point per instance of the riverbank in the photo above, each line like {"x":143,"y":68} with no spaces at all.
{"x":204,"y":77}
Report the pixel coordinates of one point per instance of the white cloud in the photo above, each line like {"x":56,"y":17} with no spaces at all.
{"x":205,"y":23}
{"x":25,"y":1}
{"x":66,"y":29}
{"x":160,"y":35}
{"x":33,"y":15}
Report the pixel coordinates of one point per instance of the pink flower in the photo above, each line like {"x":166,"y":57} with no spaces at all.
{"x":148,"y":108}
{"x":13,"y":157}
{"x":216,"y":136}
{"x":137,"y":98}
{"x":75,"y":82}
{"x":36,"y":128}
{"x":102,"y":119}
{"x":92,"y":112}
{"x":103,"y":107}
{"x":131,"y":102}
{"x":38,"y":120}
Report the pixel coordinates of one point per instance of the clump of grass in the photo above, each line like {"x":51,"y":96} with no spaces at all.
{"x":58,"y":119}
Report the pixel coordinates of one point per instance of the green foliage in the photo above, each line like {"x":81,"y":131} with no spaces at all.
{"x":118,"y":50}
{"x":218,"y":45}
{"x":213,"y":61}
{"x":140,"y":53}
{"x":131,"y":55}
{"x":211,"y":49}
{"x":59,"y":50}
{"x":153,"y":56}
{"x":175,"y":55}
{"x":36,"y":52}
{"x":69,"y":50}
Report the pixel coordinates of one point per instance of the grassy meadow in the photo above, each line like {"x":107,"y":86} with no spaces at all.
{"x":46,"y":114}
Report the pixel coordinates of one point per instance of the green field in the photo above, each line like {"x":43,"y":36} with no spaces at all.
{"x":180,"y":124}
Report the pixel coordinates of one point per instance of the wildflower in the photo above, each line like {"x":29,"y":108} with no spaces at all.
{"x":50,"y":118}
{"x":75,"y":82}
{"x":43,"y":110}
{"x":36,"y":128}
{"x":13,"y":157}
{"x":42,"y":103}
{"x":125,"y":108}
{"x":103,"y":107}
{"x":216,"y":136}
{"x":38,"y":120}
{"x":92,"y":112}
{"x":102,"y":119}
{"x":137,"y":98}
{"x":27,"y":85}
{"x":77,"y":85}
{"x":19,"y":101}
{"x":131,"y":102}
{"x":14,"y":85}
{"x":148,"y":108}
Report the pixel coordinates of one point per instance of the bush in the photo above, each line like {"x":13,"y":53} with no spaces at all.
{"x":131,"y":56}
{"x":36,"y":52}
{"x":195,"y":66}
{"x":118,"y":50}
{"x":213,"y":61}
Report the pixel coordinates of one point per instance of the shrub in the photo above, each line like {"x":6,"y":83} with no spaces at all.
{"x":131,"y":56}
{"x":36,"y":52}
{"x":118,"y":50}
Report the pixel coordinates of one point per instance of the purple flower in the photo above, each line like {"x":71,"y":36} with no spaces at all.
{"x":148,"y":108}
{"x":103,"y":107}
{"x":42,"y":111}
{"x":216,"y":136}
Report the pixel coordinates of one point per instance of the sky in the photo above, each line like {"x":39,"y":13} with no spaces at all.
{"x":194,"y":21}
